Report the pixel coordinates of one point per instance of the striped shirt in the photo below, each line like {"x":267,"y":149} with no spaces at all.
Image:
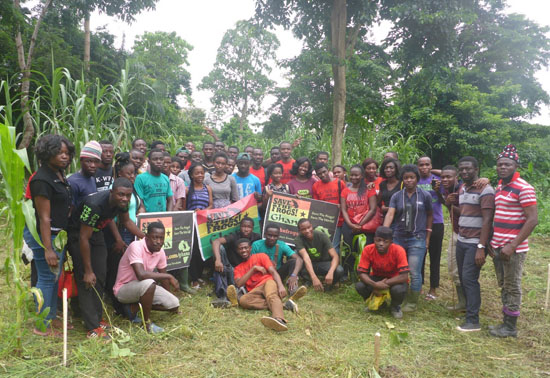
{"x":510,"y":200}
{"x":472,"y":201}
{"x":198,"y":199}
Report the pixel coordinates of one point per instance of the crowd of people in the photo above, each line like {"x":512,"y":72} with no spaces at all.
{"x":398,"y":208}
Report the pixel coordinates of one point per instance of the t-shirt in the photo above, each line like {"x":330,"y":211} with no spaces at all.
{"x":257,"y":278}
{"x":153,"y":190}
{"x":95,"y":211}
{"x":388,"y":265}
{"x":426,"y":184}
{"x":231,"y":246}
{"x":376,"y":182}
{"x":178,"y":188}
{"x":355,"y":203}
{"x":286,"y":170}
{"x":386,"y":194}
{"x":223,"y":192}
{"x":259,"y":173}
{"x":46,"y":183}
{"x":259,"y":246}
{"x":138,"y":253}
{"x":472,"y":201}
{"x":81,"y":186}
{"x":209,"y":168}
{"x":304,"y":189}
{"x":247,"y":185}
{"x":329,"y":192}
{"x":510,"y":200}
{"x":412,"y":222}
{"x":454,"y":219}
{"x":317,"y":249}
{"x":103,"y":178}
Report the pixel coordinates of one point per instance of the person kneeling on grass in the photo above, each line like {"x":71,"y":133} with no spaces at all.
{"x":137,"y":282}
{"x":384,"y":266}
{"x":264,"y":285}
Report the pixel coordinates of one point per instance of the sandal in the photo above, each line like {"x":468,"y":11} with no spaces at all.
{"x":48,"y":332}
{"x":58,"y":323}
{"x":430,"y":297}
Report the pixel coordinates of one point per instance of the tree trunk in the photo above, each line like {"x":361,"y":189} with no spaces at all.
{"x":25,"y":67}
{"x":338,"y":21}
{"x":244,"y":111}
{"x":87,"y":43}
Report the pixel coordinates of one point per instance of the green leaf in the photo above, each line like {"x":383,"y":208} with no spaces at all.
{"x":60,"y":240}
{"x":30,"y":220}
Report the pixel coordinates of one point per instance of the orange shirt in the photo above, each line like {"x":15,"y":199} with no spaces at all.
{"x":257,"y":278}
{"x":329,"y":192}
{"x":286,"y":171}
{"x":259,"y":173}
{"x":388,"y":265}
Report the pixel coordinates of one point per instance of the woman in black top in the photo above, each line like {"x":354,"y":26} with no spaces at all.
{"x":391,"y":171}
{"x":51,"y":197}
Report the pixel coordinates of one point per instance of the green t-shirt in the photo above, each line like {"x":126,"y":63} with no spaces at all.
{"x":259,"y":247}
{"x":317,"y":249}
{"x":153,"y":190}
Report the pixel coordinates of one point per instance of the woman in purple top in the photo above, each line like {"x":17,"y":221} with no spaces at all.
{"x":302,"y":183}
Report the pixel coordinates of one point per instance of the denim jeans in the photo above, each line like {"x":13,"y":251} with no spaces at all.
{"x":337,"y":239}
{"x":225,"y":278}
{"x":509,"y":280}
{"x":416,"y":251}
{"x":468,"y":272}
{"x":47,"y":280}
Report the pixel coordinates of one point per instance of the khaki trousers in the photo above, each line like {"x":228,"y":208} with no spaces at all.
{"x":263,"y":297}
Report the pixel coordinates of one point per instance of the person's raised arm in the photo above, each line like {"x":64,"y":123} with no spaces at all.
{"x":43,"y":207}
{"x":531,"y":221}
{"x":84,"y":243}
{"x":317,"y":285}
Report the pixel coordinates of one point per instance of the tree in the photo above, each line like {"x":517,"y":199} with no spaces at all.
{"x":239,"y":80}
{"x":163,"y":57}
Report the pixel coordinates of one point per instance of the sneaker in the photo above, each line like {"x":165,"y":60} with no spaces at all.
{"x":469,"y":327}
{"x":278,"y":325}
{"x":99,"y":334}
{"x":396,"y":312}
{"x":232,"y":295}
{"x":290,"y":305}
{"x":105,"y":325}
{"x":153,"y":328}
{"x":220,"y":303}
{"x":299,"y":293}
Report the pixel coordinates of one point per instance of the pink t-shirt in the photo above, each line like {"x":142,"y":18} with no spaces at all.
{"x":178,"y":187}
{"x":137,"y":252}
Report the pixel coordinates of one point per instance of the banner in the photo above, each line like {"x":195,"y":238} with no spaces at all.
{"x":285,"y":210}
{"x":215,"y":223}
{"x":178,"y":235}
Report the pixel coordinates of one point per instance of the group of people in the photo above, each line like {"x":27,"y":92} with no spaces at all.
{"x":398,"y":209}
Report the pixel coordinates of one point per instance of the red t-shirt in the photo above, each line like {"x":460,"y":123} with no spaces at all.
{"x":259,"y":173}
{"x":377,"y":182}
{"x":389,"y":265}
{"x":28,"y":189}
{"x":356,"y":204}
{"x":286,"y":171}
{"x":187,"y":165}
{"x":329,"y":192}
{"x":257,"y":278}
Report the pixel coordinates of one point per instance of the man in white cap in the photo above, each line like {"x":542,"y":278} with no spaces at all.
{"x":83,"y":182}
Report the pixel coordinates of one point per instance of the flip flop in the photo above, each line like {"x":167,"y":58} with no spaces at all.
{"x":430,"y":297}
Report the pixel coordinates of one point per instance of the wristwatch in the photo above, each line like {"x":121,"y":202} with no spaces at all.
{"x":480,"y":246}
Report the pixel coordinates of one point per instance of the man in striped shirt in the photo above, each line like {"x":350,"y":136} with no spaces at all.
{"x":475,"y":212}
{"x":515,"y":218}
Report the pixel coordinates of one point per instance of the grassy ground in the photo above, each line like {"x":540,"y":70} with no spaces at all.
{"x":332,"y":336}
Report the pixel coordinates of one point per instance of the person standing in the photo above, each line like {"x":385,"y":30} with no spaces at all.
{"x":257,"y":169}
{"x":177,"y":185}
{"x":475,"y":212}
{"x":104,"y":172}
{"x":153,"y":187}
{"x":516,"y":217}
{"x":390,"y":172}
{"x":302,"y":182}
{"x":208,"y":157}
{"x":285,"y":150}
{"x":83,"y":182}
{"x":224,"y":186}
{"x":246,"y":182}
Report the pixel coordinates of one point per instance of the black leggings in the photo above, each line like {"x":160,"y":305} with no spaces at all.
{"x":436,"y":241}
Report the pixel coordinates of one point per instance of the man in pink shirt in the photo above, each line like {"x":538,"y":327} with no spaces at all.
{"x":137,"y":282}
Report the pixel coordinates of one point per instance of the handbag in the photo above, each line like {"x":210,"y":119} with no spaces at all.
{"x":373,"y":223}
{"x":67,"y":281}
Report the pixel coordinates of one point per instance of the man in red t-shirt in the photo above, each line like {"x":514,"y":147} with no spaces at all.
{"x":264,"y":286}
{"x":383,"y":266}
{"x":256,"y":168}
{"x":286,"y":161}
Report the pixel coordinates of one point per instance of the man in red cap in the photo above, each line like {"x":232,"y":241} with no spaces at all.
{"x":515,"y":218}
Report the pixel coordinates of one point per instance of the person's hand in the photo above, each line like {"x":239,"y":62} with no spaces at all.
{"x":292,"y":283}
{"x":427,"y":242}
{"x":490,"y":250}
{"x":51,"y":258}
{"x":89,"y":279}
{"x":381,"y":285}
{"x":317,"y":285}
{"x":282,"y":292}
{"x":329,"y":278}
{"x":257,"y":196}
{"x":119,"y":246}
{"x":451,"y":199}
{"x":218,"y":266}
{"x":436,"y":186}
{"x":507,"y":251}
{"x":370,"y":186}
{"x":355,"y":228}
{"x":481,"y":183}
{"x":174,"y":283}
{"x":260,"y":269}
{"x":480,"y":257}
{"x":268,"y":191}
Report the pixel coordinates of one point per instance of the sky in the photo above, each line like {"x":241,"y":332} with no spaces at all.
{"x":203,"y":24}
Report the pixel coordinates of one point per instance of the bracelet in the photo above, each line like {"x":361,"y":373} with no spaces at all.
{"x":429,"y":229}
{"x":293,"y":275}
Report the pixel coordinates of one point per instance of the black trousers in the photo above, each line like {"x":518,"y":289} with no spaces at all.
{"x":436,"y":242}
{"x":397,"y":292}
{"x":287,"y":268}
{"x":90,"y":299}
{"x":321,"y":268}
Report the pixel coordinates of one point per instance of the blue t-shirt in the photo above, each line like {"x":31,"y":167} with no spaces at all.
{"x":81,"y":186}
{"x":247,"y":185}
{"x":426,"y":184}
{"x":416,"y":222}
{"x":153,"y":190}
{"x":259,"y":247}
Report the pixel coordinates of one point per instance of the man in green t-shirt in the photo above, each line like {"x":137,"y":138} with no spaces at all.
{"x":320,"y":257}
{"x":154,"y":187}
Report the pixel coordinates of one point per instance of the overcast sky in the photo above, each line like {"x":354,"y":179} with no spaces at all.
{"x":203,"y":23}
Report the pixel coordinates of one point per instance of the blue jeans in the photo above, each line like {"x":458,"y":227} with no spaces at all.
{"x":47,"y":280}
{"x":416,"y":251}
{"x":468,"y":272}
{"x":337,"y":238}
